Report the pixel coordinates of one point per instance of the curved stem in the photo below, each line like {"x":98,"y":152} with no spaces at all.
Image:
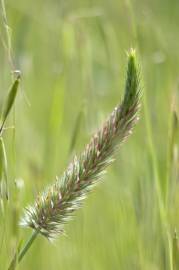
{"x":27,"y":245}
{"x":24,"y":250}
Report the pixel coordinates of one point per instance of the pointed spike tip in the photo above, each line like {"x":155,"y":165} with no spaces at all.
{"x":131,"y":53}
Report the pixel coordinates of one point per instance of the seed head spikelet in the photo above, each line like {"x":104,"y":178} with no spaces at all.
{"x":55,"y":206}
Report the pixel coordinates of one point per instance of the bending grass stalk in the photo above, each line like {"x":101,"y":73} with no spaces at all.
{"x":27,"y":245}
{"x":55,"y":206}
{"x":23,"y":251}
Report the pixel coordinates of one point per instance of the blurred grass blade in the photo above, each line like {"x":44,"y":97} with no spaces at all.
{"x":76,"y":131}
{"x":175,"y":252}
{"x":9,"y":102}
{"x":14,"y":261}
{"x":175,"y":130}
{"x":3,"y":170}
{"x":1,"y":159}
{"x":172,"y":144}
{"x":174,"y":134}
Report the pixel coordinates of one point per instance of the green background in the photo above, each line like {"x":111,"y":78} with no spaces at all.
{"x":72,"y":55}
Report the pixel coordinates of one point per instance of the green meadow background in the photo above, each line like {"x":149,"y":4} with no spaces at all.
{"x":72,"y":56}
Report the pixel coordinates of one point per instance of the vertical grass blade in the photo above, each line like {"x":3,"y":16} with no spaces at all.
{"x":175,"y":252}
{"x":172,"y":142}
{"x":3,"y":170}
{"x":9,"y":102}
{"x":76,"y":131}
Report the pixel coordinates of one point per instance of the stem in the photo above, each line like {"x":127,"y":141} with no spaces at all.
{"x":24,"y":250}
{"x":8,"y":35}
{"x":27,"y":245}
{"x":2,"y":127}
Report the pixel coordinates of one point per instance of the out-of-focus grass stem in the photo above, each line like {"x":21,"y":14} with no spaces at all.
{"x":162,"y":198}
{"x":23,"y":251}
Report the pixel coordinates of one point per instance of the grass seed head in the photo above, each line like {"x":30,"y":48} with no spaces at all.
{"x":55,"y":206}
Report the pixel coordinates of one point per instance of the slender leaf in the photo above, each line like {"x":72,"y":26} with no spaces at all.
{"x":9,"y":102}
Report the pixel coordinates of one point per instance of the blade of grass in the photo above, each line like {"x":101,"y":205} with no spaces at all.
{"x":175,"y":251}
{"x":9,"y":102}
{"x":18,"y":256}
{"x":3,"y":169}
{"x":76,"y":130}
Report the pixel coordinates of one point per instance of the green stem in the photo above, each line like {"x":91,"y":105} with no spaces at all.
{"x":27,"y":245}
{"x":24,"y":250}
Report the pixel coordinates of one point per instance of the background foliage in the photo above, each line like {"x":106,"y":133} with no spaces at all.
{"x":72,"y":58}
